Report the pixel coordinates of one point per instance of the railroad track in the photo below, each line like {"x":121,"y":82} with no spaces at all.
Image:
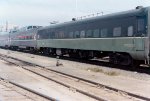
{"x":96,"y":85}
{"x":99,"y":62}
{"x":24,"y":91}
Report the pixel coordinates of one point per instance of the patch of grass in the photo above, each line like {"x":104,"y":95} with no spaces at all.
{"x":109,"y":73}
{"x":95,"y":69}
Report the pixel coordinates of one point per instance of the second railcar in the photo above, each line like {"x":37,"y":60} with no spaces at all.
{"x":24,"y":38}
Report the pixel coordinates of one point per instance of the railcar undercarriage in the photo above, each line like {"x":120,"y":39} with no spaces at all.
{"x":113,"y":57}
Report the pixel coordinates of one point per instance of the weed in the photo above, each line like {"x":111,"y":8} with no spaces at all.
{"x":109,"y":73}
{"x":95,"y":69}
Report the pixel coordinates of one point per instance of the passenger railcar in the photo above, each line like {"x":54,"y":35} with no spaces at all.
{"x":4,"y":39}
{"x":24,"y":38}
{"x":124,"y":37}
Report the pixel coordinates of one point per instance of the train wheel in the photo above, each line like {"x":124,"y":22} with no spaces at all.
{"x":135,"y":64}
{"x":121,"y":59}
{"x":114,"y":58}
{"x":126,"y":60}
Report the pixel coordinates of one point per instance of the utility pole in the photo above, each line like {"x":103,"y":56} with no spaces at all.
{"x":1,"y":28}
{"x":6,"y":26}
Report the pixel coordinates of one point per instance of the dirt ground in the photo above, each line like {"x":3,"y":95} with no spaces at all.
{"x":137,"y":83}
{"x":39,"y":84}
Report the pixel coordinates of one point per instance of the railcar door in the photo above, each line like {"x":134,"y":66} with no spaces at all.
{"x":140,"y":34}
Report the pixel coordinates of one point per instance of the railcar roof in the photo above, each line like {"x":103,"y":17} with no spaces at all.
{"x":129,"y":13}
{"x":4,"y":33}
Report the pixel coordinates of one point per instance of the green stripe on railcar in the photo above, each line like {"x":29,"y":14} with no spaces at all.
{"x":123,"y":44}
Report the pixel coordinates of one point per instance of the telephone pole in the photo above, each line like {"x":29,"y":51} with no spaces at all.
{"x":6,"y":26}
{"x":1,"y":28}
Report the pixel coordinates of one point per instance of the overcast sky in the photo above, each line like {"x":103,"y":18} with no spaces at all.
{"x":41,"y":12}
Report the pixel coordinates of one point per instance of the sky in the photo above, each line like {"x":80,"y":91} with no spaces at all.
{"x":42,"y":12}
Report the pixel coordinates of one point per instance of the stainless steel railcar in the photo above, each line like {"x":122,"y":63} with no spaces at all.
{"x":24,"y":38}
{"x":4,"y":39}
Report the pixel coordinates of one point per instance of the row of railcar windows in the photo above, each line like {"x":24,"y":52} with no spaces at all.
{"x":103,"y":33}
{"x":117,"y":31}
{"x":96,"y":33}
{"x":23,"y":38}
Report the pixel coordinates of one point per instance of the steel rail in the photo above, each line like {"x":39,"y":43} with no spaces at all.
{"x":86,"y":80}
{"x":63,"y":84}
{"x":30,"y":90}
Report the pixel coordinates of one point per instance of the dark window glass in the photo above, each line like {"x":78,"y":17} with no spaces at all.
{"x":61,"y":35}
{"x":38,"y":36}
{"x":82,"y":34}
{"x":52,"y":35}
{"x":96,"y":33}
{"x":130,"y":31}
{"x":140,"y":25}
{"x":31,"y":37}
{"x":70,"y":35}
{"x":34,"y":26}
{"x":77,"y":34}
{"x":44,"y":34}
{"x":104,"y":33}
{"x":117,"y":31}
{"x":89,"y":33}
{"x":30,"y":27}
{"x":26,"y":37}
{"x":57,"y":35}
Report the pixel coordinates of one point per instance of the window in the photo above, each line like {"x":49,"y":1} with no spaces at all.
{"x":56,"y":35}
{"x":117,"y":31}
{"x":82,"y":34}
{"x":29,"y":37}
{"x":140,"y":25}
{"x":43,"y":34}
{"x":52,"y":35}
{"x":130,"y":31}
{"x":25,"y":37}
{"x":96,"y":33}
{"x":61,"y":35}
{"x":29,"y":27}
{"x":34,"y":26}
{"x":77,"y":35}
{"x":70,"y":35}
{"x":38,"y":36}
{"x":89,"y":34}
{"x":104,"y":32}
